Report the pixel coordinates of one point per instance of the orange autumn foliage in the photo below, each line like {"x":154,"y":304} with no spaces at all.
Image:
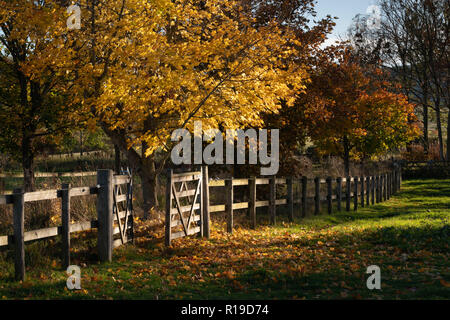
{"x":351,"y":110}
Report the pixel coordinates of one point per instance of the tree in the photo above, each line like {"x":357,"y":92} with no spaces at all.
{"x":144,"y":68}
{"x":31,"y":83}
{"x":289,"y":119}
{"x":79,"y":139}
{"x":413,"y":43}
{"x":350,"y":111}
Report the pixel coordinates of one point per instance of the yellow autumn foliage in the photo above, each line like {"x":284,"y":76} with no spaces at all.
{"x":144,"y":68}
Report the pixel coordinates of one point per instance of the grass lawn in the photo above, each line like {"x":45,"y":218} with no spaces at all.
{"x":323,"y":257}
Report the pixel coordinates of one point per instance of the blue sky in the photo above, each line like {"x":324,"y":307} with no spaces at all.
{"x":345,"y":10}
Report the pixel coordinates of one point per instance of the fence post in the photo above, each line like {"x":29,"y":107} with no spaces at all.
{"x":201,"y":234}
{"x":18,"y":224}
{"x":376,"y":187}
{"x":355,"y":196}
{"x":392,"y":184}
{"x":348,"y":186}
{"x":329,"y":195}
{"x":104,"y":212}
{"x":290,"y":195}
{"x":229,"y":204}
{"x":252,"y":203}
{"x":372,"y":189}
{"x":65,"y":219}
{"x":339,"y":193}
{"x":381,"y":188}
{"x":395,"y":182}
{"x":272,"y":200}
{"x":205,"y":202}
{"x":299,"y":196}
{"x":169,"y":199}
{"x":368,"y":191}
{"x":363,"y":180}
{"x":388,"y":185}
{"x":130,"y":191}
{"x":385,"y":187}
{"x":317,"y":196}
{"x":399,"y":178}
{"x":304,"y":195}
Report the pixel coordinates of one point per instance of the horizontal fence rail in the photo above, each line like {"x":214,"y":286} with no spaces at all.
{"x":51,"y":174}
{"x":49,"y":194}
{"x":49,"y":232}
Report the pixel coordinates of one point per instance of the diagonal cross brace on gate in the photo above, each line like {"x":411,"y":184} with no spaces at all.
{"x":114,"y":205}
{"x":184,"y":199}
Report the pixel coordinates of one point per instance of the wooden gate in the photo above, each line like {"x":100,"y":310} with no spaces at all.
{"x":123,"y":231}
{"x":184,"y":205}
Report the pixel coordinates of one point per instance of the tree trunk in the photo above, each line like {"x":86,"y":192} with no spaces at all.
{"x":81,"y":143}
{"x":346,"y":156}
{"x":149,"y":194}
{"x":425,"y":118}
{"x":448,"y":134}
{"x":117,"y":159}
{"x":145,"y":167}
{"x":425,"y":128}
{"x":28,"y":165}
{"x":149,"y":185}
{"x":363,"y":166}
{"x":439,"y":128}
{"x":27,"y":151}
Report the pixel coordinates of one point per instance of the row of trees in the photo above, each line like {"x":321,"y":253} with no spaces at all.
{"x":140,"y":69}
{"x":349,"y":110}
{"x":413,"y":44}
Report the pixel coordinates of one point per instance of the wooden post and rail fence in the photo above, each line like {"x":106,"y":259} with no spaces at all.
{"x":114,"y":217}
{"x":188,"y":206}
{"x":193,"y":217}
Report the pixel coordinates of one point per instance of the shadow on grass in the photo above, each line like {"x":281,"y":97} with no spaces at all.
{"x":417,"y":200}
{"x":263,"y":268}
{"x":425,"y":189}
{"x":264,"y":271}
